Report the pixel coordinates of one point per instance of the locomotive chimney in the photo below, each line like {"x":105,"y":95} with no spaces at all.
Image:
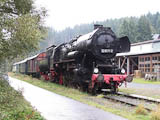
{"x":97,"y":26}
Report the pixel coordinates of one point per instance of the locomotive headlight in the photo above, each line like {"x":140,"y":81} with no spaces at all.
{"x":123,"y":71}
{"x":96,"y":70}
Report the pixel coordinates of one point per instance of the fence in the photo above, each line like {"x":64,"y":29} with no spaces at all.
{"x":155,"y":75}
{"x":157,"y":71}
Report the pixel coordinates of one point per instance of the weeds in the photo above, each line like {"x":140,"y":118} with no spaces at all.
{"x":141,"y":110}
{"x":155,"y":115}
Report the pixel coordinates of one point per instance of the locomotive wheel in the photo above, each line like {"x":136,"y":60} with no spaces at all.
{"x":91,"y":90}
{"x":94,"y":91}
{"x":42,"y":78}
{"x":69,"y":79}
{"x":114,"y":88}
{"x":65,"y":79}
{"x":83,"y":87}
{"x":77,"y":86}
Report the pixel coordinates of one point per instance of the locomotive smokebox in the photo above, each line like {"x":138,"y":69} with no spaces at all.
{"x":97,"y":26}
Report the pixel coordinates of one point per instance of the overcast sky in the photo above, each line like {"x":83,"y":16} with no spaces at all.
{"x":68,"y":13}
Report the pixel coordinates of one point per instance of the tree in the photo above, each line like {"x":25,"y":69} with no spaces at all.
{"x":20,"y":27}
{"x":128,"y":28}
{"x":158,"y":24}
{"x":144,"y":29}
{"x":155,"y":21}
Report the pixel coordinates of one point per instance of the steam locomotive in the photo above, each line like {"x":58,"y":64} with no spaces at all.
{"x":87,"y":62}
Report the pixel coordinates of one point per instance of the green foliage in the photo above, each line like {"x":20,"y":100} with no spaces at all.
{"x":128,"y":28}
{"x":20,"y":28}
{"x":144,"y":29}
{"x":23,"y":6}
{"x":58,"y":37}
{"x":17,"y":7}
{"x":13,"y":106}
{"x":137,"y":29}
{"x":155,"y":21}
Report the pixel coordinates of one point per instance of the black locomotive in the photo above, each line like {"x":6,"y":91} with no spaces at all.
{"x":87,"y":61}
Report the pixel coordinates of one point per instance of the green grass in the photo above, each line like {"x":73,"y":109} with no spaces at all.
{"x":82,"y":97}
{"x":13,"y":106}
{"x":127,"y":90}
{"x":143,"y":81}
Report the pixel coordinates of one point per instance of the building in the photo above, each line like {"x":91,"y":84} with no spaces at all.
{"x":143,"y":56}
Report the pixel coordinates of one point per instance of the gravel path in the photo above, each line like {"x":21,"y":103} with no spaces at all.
{"x":138,"y":85}
{"x":56,"y":107}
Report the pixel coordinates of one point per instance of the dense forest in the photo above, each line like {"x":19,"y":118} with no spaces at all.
{"x":136,"y":28}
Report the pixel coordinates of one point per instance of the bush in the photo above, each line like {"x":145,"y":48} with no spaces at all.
{"x":13,"y":106}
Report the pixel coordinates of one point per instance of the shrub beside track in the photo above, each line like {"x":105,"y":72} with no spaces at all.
{"x":13,"y":106}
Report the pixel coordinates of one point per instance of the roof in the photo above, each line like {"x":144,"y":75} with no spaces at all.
{"x":146,"y":47}
{"x":25,"y":60}
{"x":30,"y":58}
{"x":145,"y":42}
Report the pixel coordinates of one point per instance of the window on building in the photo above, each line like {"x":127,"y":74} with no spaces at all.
{"x":154,"y":58}
{"x":145,"y":63}
{"x":158,"y":58}
{"x":147,"y":58}
{"x":155,"y":62}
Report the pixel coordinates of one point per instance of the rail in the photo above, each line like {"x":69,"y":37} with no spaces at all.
{"x":134,"y":100}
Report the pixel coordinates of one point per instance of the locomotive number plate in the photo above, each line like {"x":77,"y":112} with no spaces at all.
{"x":106,"y":50}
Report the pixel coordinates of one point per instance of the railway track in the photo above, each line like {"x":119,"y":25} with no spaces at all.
{"x":134,"y":100}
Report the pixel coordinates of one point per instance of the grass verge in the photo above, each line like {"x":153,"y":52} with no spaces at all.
{"x":96,"y":101}
{"x":153,"y":93}
{"x":13,"y":106}
{"x":143,"y":81}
